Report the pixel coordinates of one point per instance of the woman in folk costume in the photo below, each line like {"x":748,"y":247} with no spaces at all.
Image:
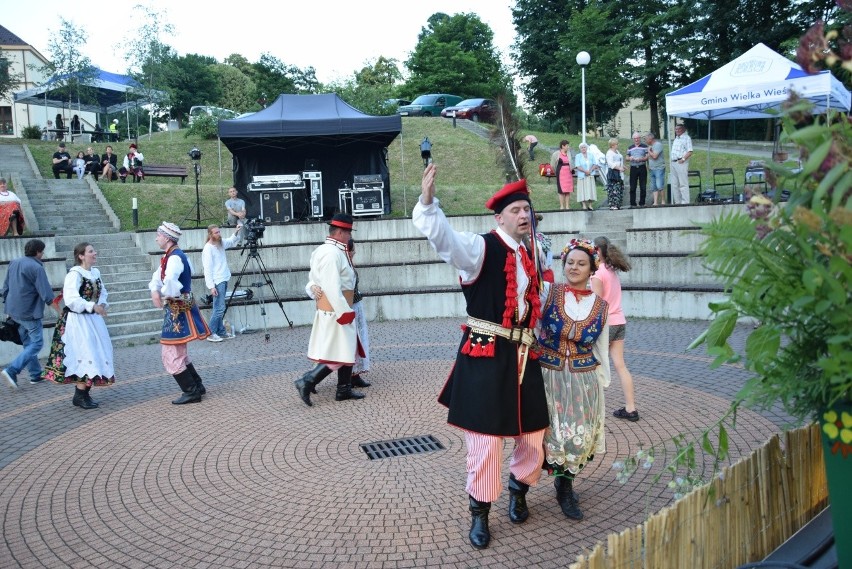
{"x":171,"y":290}
{"x":81,"y":351}
{"x":574,"y":343}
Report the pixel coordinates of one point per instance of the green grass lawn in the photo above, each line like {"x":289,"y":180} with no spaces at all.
{"x":468,"y":172}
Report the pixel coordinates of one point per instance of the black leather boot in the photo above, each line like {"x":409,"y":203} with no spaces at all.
{"x":357,"y":381}
{"x":479,"y":534}
{"x":344,"y":385}
{"x":88,"y":397}
{"x":197,"y":379}
{"x":518,"y":511}
{"x":307,"y":382}
{"x":567,"y":499}
{"x":191,"y":393}
{"x":80,"y":399}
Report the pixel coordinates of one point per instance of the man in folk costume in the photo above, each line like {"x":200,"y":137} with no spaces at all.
{"x":171,"y":289}
{"x":495,"y":389}
{"x":334,"y":338}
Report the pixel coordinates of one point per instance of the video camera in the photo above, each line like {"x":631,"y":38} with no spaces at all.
{"x":254,"y":229}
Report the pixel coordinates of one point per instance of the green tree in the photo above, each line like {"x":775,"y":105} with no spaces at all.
{"x":8,"y":80}
{"x":71,"y":71}
{"x":191,"y":81}
{"x":238,"y":91}
{"x":273,"y":77}
{"x":456,"y":54}
{"x":382,"y":71}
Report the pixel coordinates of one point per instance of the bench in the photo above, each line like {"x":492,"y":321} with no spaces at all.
{"x":165,"y":170}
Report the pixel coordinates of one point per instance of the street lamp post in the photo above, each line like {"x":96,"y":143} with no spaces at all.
{"x":583,"y":59}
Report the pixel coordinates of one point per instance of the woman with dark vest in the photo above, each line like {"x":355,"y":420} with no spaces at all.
{"x":574,"y":343}
{"x":171,"y":289}
{"x":495,"y":388}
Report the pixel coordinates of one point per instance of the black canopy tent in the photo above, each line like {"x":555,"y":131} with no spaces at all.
{"x":285,"y":137}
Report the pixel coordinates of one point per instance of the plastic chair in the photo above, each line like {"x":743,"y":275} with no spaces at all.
{"x":756,"y":176}
{"x":724,"y":178}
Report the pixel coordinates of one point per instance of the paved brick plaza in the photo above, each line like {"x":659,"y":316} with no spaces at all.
{"x":251,"y":477}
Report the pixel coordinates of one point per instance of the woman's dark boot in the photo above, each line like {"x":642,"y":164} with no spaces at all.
{"x":197,"y":378}
{"x":305,"y":384}
{"x":80,"y":399}
{"x":357,"y":381}
{"x":518,"y":511}
{"x":567,"y":499}
{"x":479,"y":534}
{"x":191,"y":392}
{"x":344,"y":385}
{"x":88,"y":397}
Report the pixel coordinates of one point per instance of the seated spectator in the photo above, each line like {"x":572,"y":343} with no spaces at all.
{"x":78,"y":165}
{"x":236,"y":207}
{"x":132,"y":165}
{"x":93,"y":163}
{"x":113,"y":129}
{"x":45,"y":132}
{"x":61,"y":162}
{"x":11,"y":215}
{"x":99,"y":133}
{"x":109,"y":168}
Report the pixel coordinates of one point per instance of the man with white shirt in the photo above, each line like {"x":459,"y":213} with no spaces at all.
{"x":495,"y":389}
{"x":216,"y":276}
{"x":681,"y":152}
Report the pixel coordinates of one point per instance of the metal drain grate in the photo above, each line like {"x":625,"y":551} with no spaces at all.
{"x":401,"y":447}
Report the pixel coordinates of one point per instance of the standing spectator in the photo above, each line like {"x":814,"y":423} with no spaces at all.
{"x":93,"y":163}
{"x":216,"y":276}
{"x":171,"y":289}
{"x":26,"y":291}
{"x":495,"y":389}
{"x":81,"y":350}
{"x":235,"y":207}
{"x":564,"y":177}
{"x":533,"y":142}
{"x":61,"y":162}
{"x":60,"y":126}
{"x":113,"y":130}
{"x":109,"y":162}
{"x":75,"y":126}
{"x":585,"y":167}
{"x":78,"y":165}
{"x":132,"y":165}
{"x":606,"y":284}
{"x":11,"y":214}
{"x":614,"y":175}
{"x":681,"y":152}
{"x":334,"y":339}
{"x":574,"y":342}
{"x":656,"y":168}
{"x":637,"y":155}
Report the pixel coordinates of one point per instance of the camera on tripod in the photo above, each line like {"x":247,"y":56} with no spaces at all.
{"x":254,"y":229}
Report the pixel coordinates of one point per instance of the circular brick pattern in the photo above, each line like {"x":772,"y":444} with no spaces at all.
{"x":252,"y":477}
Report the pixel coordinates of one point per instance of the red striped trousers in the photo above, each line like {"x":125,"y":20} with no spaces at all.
{"x":485,"y":457}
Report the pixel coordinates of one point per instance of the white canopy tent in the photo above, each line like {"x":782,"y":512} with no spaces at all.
{"x":753,"y":86}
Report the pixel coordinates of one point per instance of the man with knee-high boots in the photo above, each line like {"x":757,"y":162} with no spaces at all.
{"x":334,"y":339}
{"x":171,"y":289}
{"x":495,"y":389}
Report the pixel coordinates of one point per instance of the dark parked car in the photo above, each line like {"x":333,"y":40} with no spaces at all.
{"x":428,"y":105}
{"x":473,"y":109}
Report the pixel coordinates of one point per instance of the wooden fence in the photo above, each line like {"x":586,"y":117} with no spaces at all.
{"x":751,"y":508}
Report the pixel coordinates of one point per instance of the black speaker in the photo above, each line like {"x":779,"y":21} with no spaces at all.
{"x":276,"y":206}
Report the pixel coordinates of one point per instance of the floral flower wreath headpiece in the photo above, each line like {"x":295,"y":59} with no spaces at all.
{"x":585,"y":245}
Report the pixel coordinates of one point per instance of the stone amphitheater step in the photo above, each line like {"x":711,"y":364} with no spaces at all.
{"x":14,"y":159}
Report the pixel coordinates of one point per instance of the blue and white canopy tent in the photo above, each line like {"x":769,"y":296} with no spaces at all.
{"x":754,"y":86}
{"x":104,"y":92}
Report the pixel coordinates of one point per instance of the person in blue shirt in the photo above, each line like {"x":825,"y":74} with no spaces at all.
{"x":26,"y":291}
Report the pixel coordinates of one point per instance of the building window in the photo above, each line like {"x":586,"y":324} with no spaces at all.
{"x":6,"y":126}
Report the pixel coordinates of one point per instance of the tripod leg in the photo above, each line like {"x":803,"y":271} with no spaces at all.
{"x":277,"y":298}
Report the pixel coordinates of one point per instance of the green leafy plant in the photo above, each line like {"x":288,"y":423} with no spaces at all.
{"x":32,"y":132}
{"x":205,"y":126}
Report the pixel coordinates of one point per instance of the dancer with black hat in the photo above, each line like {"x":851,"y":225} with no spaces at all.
{"x":495,"y":389}
{"x":171,"y":289}
{"x":334,"y":338}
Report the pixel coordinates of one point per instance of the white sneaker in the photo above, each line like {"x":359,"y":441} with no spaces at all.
{"x":214,"y":338}
{"x":9,"y":379}
{"x":229,"y":336}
